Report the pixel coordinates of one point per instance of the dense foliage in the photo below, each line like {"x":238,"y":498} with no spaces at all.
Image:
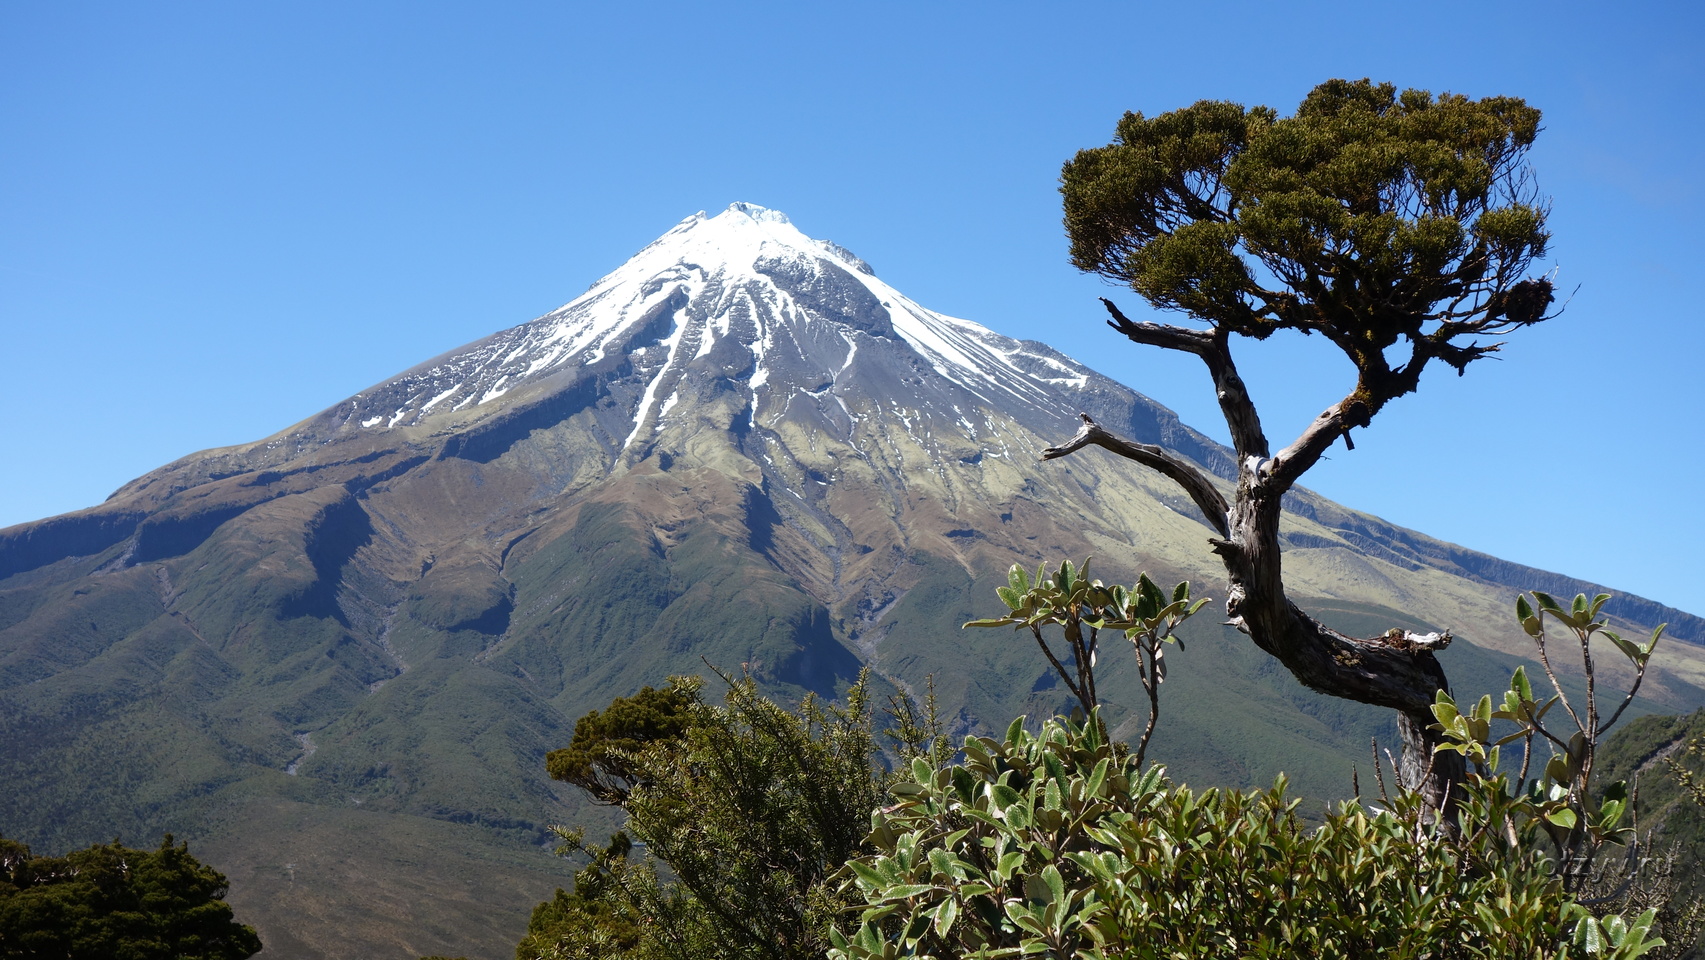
{"x":741,"y":817}
{"x":1362,"y":217}
{"x":1553,"y":800}
{"x":1057,"y":844}
{"x":601,"y":759}
{"x":752,"y":840}
{"x":111,"y":902}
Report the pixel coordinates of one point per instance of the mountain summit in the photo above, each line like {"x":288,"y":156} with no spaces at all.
{"x":335,"y":658}
{"x":744,"y":296}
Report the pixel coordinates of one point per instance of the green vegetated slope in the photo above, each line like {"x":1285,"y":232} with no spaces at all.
{"x":336,"y":667}
{"x":1636,"y":753}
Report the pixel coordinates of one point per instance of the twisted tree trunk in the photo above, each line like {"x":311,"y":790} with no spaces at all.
{"x":1396,"y":669}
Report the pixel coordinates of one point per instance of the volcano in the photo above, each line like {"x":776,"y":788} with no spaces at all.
{"x":333,"y":659}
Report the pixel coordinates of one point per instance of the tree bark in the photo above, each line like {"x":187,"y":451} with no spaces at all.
{"x":1396,"y":669}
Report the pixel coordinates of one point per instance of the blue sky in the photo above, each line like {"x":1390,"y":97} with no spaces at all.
{"x":217,"y":219}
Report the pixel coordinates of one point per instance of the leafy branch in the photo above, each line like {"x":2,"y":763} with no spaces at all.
{"x":1557,"y":801}
{"x":1082,"y":609}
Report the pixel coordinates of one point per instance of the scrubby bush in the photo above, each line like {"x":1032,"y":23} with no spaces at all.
{"x":1056,"y":844}
{"x":737,"y":815}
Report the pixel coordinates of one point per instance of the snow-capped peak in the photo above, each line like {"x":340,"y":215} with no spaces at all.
{"x":756,"y":212}
{"x":787,"y":302}
{"x":742,"y":233}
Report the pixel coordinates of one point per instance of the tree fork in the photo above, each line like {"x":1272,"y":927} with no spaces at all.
{"x":1396,"y":669}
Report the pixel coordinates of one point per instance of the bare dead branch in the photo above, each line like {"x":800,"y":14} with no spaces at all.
{"x":1213,"y":346}
{"x":1199,"y":342}
{"x":1194,"y":482}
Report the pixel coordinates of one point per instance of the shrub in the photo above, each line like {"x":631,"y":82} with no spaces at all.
{"x":738,"y":815}
{"x":1056,"y":845}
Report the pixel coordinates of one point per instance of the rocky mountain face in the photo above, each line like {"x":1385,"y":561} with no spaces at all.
{"x":333,"y":659}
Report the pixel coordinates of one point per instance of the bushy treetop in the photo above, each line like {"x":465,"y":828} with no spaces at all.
{"x":1370,"y":216}
{"x":110,"y":901}
{"x":601,"y":757}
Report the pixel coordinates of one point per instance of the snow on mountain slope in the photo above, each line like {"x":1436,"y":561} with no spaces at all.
{"x":798,"y":307}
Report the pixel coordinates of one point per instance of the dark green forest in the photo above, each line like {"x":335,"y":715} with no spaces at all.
{"x":112,"y":902}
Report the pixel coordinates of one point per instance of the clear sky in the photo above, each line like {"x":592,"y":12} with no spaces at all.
{"x":217,"y":219}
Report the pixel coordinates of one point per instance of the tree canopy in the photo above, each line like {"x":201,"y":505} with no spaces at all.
{"x":110,"y":901}
{"x":1370,"y":217}
{"x":602,"y":756}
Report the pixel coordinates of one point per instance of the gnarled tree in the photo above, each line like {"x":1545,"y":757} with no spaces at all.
{"x":1401,"y":227}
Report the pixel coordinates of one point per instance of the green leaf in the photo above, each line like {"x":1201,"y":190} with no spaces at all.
{"x":867,"y":876}
{"x":1598,"y":604}
{"x":1520,"y":686}
{"x":1563,"y":817}
{"x":1151,"y":780}
{"x":945,"y":915}
{"x":1097,"y":778}
{"x":1056,"y":883}
{"x":1015,"y":730}
{"x":1483,"y":708}
{"x":1147,"y":589}
{"x":1524,"y":611}
{"x":1018,"y":816}
{"x":1017,"y":579}
{"x":1647,"y":647}
{"x":1051,"y":799}
{"x":1588,"y":936}
{"x":1629,"y":648}
{"x":1444,"y":710}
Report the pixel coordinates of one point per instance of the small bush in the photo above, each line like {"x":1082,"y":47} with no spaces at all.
{"x":1057,"y":845}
